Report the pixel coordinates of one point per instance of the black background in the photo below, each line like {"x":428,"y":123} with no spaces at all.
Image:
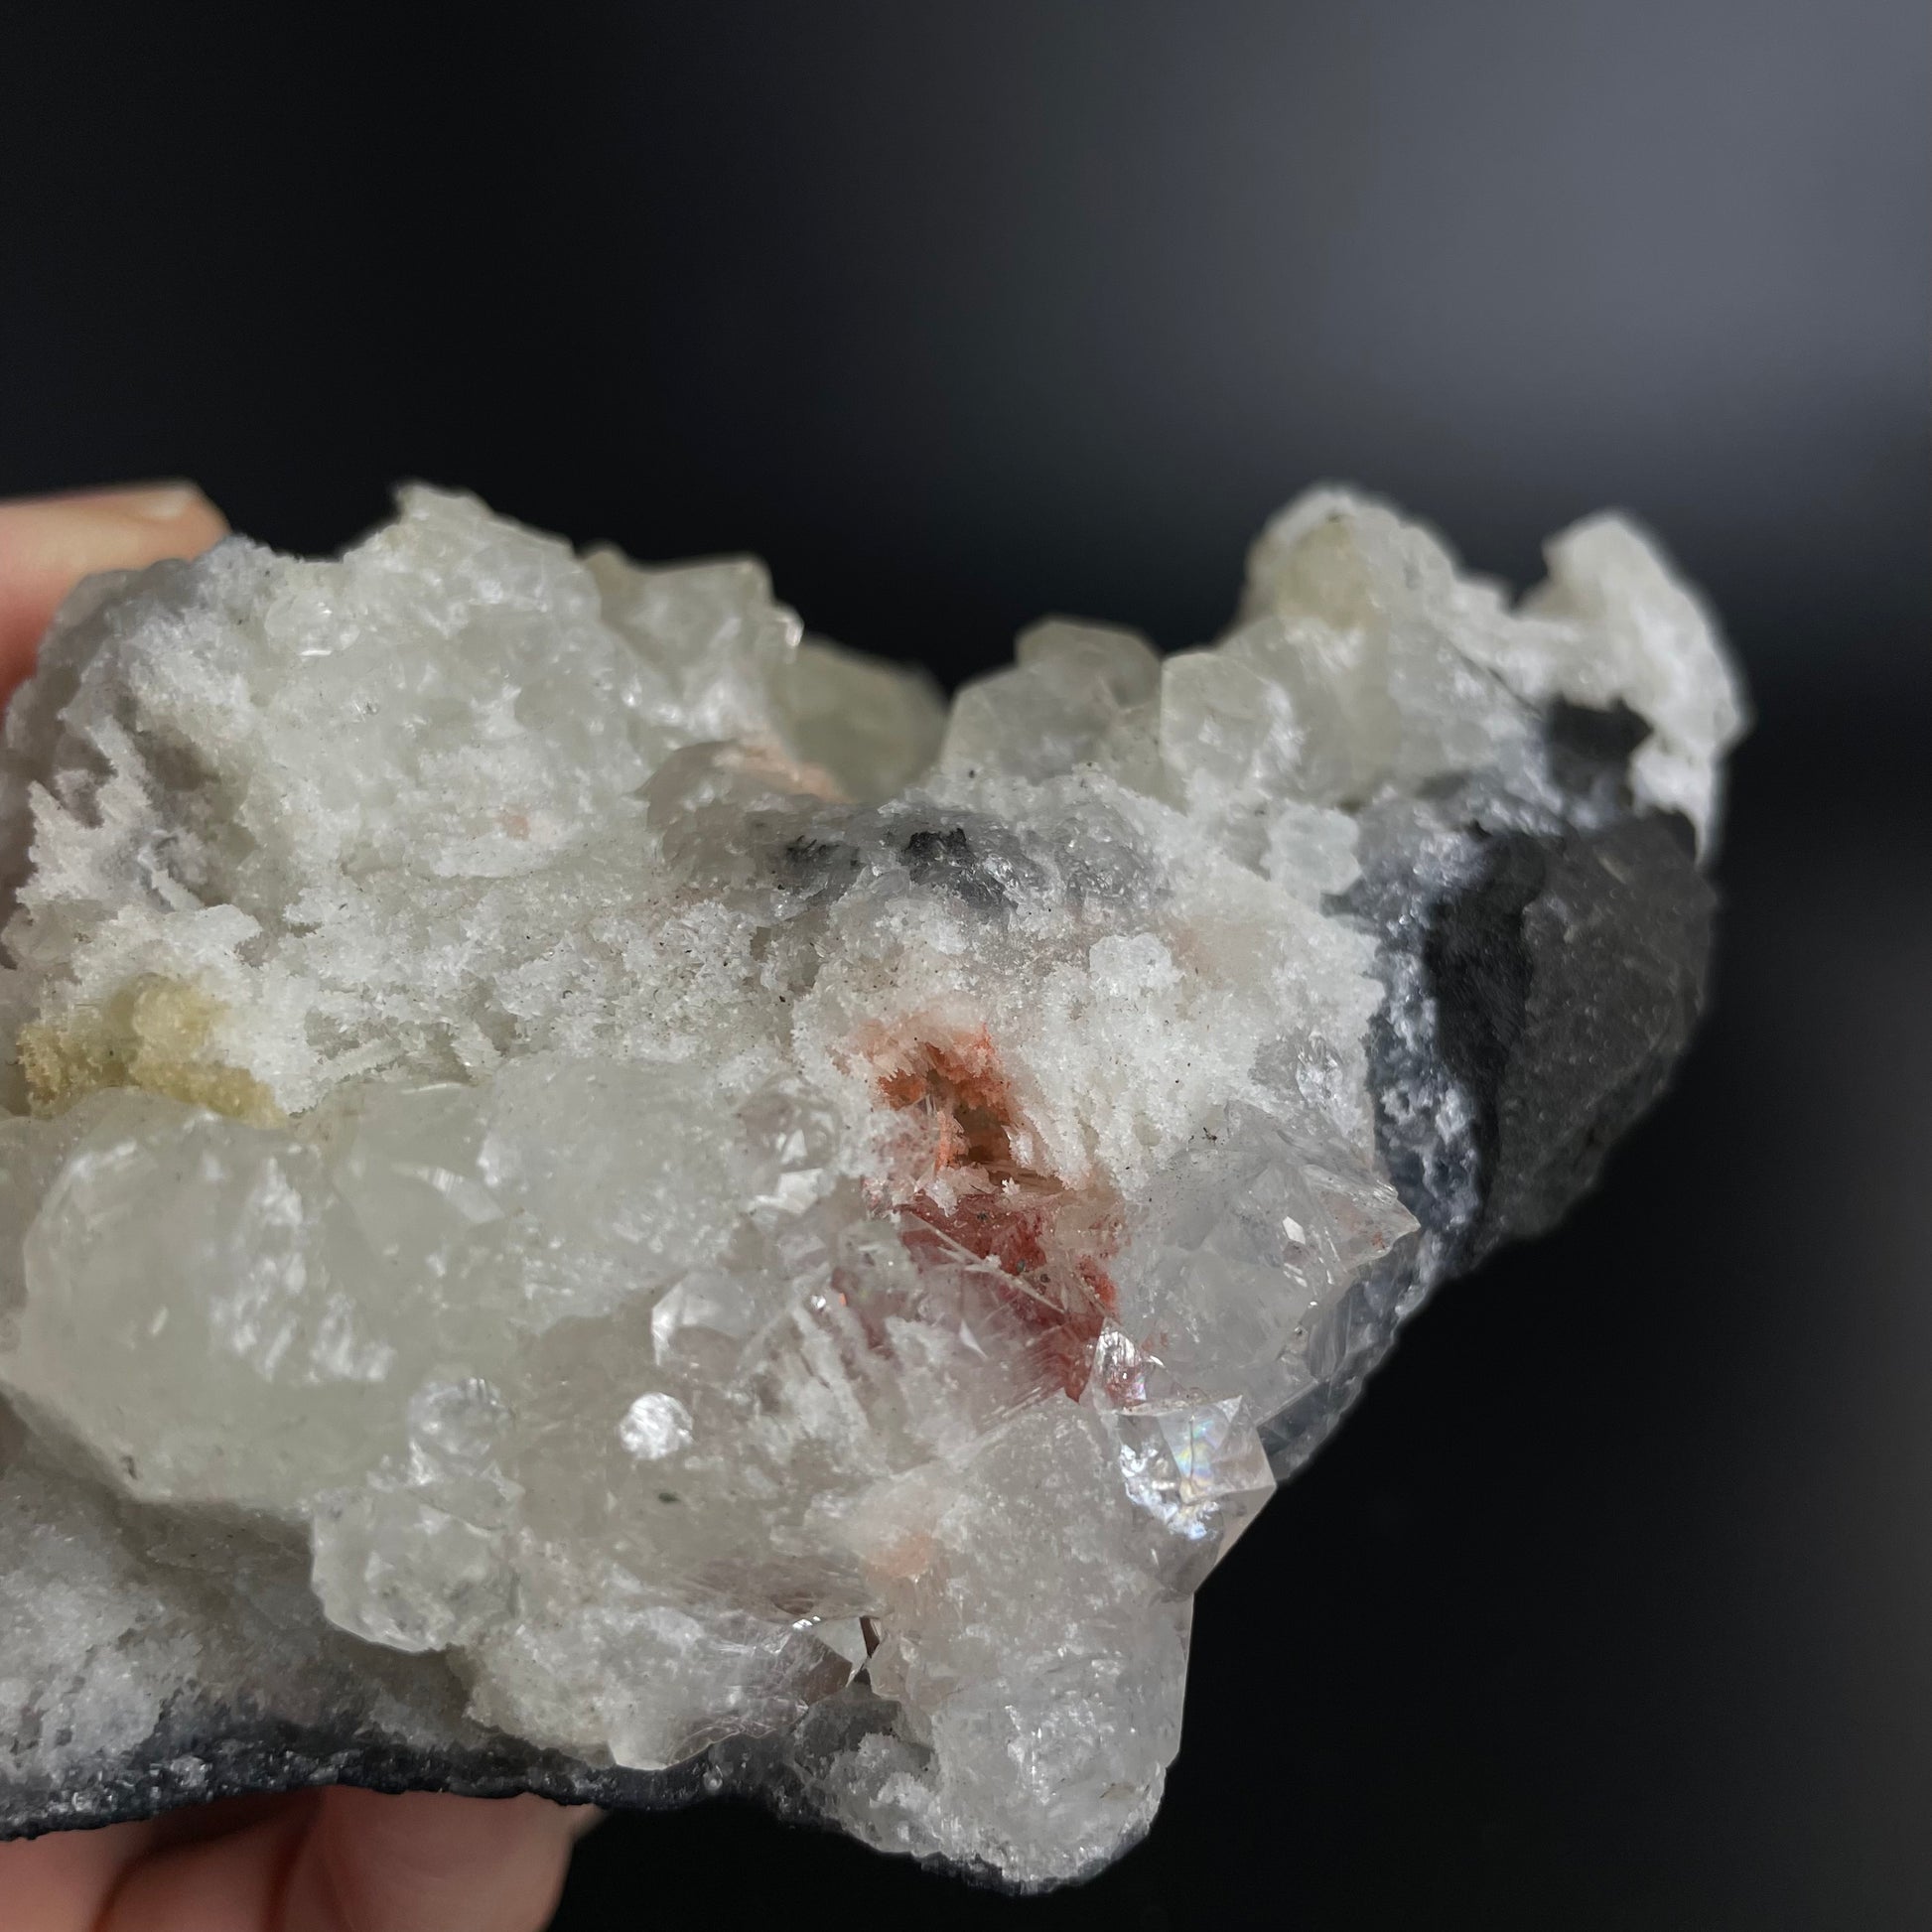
{"x":1612,"y":1606}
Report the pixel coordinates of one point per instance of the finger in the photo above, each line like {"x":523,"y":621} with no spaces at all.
{"x":222,"y":1817}
{"x":60,"y":1883}
{"x":49,"y":543}
{"x":426,"y":1862}
{"x":229,"y":1883}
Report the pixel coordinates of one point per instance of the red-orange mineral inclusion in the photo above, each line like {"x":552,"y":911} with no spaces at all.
{"x":1048,"y":1241}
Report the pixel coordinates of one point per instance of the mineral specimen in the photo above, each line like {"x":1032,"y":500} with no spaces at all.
{"x":601,"y":1197}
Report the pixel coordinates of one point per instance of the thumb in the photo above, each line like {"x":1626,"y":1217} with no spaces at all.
{"x":49,"y":543}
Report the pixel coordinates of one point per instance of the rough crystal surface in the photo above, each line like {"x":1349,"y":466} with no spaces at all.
{"x":601,"y":1197}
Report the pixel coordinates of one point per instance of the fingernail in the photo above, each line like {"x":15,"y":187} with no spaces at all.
{"x":165,"y":502}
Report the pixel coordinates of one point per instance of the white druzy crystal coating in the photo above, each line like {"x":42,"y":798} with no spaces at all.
{"x":691,"y":1177}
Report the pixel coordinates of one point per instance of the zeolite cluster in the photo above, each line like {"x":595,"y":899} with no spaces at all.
{"x":603,"y":1197}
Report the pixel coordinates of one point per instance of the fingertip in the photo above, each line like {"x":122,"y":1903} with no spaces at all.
{"x":110,"y":529}
{"x":176,"y":503}
{"x":49,"y":543}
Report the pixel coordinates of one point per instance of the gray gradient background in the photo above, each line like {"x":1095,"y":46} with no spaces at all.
{"x":1613,"y":1605}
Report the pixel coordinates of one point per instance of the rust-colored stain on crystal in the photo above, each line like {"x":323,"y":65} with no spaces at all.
{"x":966,"y":1185}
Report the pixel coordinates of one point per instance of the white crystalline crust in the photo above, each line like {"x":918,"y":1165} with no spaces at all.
{"x":699,"y":1182}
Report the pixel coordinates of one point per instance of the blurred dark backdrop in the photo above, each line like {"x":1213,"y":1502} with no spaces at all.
{"x":1613,"y":1606}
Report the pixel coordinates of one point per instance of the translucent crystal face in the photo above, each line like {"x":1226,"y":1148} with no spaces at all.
{"x":704,"y":1186}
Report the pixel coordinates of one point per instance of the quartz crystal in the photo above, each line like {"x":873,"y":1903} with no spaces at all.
{"x":603,"y":1197}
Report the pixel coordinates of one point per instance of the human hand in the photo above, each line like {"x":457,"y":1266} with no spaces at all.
{"x":334,"y":1860}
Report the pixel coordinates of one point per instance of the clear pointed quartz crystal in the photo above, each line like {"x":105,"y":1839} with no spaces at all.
{"x":726,"y":1206}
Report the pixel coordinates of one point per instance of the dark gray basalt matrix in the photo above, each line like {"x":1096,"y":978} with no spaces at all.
{"x":601,"y":1197}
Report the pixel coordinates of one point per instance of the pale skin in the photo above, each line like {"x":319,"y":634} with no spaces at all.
{"x":331,"y":1860}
